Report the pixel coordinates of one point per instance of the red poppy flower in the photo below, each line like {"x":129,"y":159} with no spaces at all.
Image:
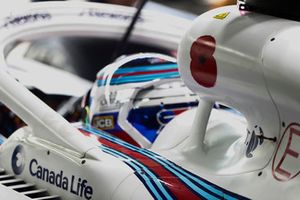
{"x":203,"y":64}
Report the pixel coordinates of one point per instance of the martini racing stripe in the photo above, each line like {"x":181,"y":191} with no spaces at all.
{"x":146,"y":68}
{"x":141,"y":73}
{"x":140,"y":78}
{"x":197,"y":185}
{"x":129,"y":79}
{"x":192,"y":181}
{"x":155,"y":187}
{"x":177,"y":190}
{"x":175,"y":186}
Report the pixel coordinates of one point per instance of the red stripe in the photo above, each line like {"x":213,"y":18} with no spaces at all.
{"x":177,"y":188}
{"x":178,"y":111}
{"x":124,"y":136}
{"x":141,"y":73}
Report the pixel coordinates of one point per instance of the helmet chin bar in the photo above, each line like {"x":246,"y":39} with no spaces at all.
{"x":42,"y":20}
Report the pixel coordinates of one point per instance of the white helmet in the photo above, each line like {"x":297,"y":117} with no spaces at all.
{"x":134,"y":97}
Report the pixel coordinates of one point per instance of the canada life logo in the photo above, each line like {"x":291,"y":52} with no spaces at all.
{"x":18,"y":160}
{"x":286,"y":162}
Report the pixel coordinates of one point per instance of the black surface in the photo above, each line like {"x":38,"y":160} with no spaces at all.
{"x":288,"y":9}
{"x":83,"y":56}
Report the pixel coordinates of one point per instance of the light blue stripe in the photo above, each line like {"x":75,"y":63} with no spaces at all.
{"x":2,"y":139}
{"x":132,"y":79}
{"x":156,"y":158}
{"x":146,"y":68}
{"x":167,"y":164}
{"x":152,"y":76}
{"x":171,"y":167}
{"x":189,"y":183}
{"x":139,"y":78}
{"x":185,"y":180}
{"x":149,"y":184}
{"x":154,"y":178}
{"x":179,"y":172}
{"x":229,"y":197}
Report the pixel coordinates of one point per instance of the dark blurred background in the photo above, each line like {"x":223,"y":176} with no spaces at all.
{"x":194,"y":6}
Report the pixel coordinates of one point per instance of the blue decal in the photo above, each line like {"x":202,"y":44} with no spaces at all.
{"x":18,"y":160}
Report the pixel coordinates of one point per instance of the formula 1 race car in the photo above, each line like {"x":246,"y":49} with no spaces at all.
{"x":246,"y":60}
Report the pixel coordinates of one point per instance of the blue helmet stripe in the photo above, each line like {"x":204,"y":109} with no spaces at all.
{"x":146,"y":68}
{"x":139,"y":78}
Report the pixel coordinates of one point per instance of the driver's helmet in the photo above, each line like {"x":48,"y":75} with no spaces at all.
{"x":136,"y":96}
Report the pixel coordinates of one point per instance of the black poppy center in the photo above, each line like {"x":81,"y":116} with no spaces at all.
{"x":202,"y":59}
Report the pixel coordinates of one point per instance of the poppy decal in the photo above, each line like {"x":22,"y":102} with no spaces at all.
{"x":203,"y":64}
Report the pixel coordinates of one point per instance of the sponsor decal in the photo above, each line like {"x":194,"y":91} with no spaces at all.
{"x":75,"y":185}
{"x":222,"y":16}
{"x":253,"y":140}
{"x":18,"y":160}
{"x":166,"y":115}
{"x":25,"y":19}
{"x":286,"y":162}
{"x":203,"y":64}
{"x":103,"y":122}
{"x":92,"y":12}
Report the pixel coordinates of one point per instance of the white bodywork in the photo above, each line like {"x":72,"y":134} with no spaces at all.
{"x":256,"y":59}
{"x":247,"y":79}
